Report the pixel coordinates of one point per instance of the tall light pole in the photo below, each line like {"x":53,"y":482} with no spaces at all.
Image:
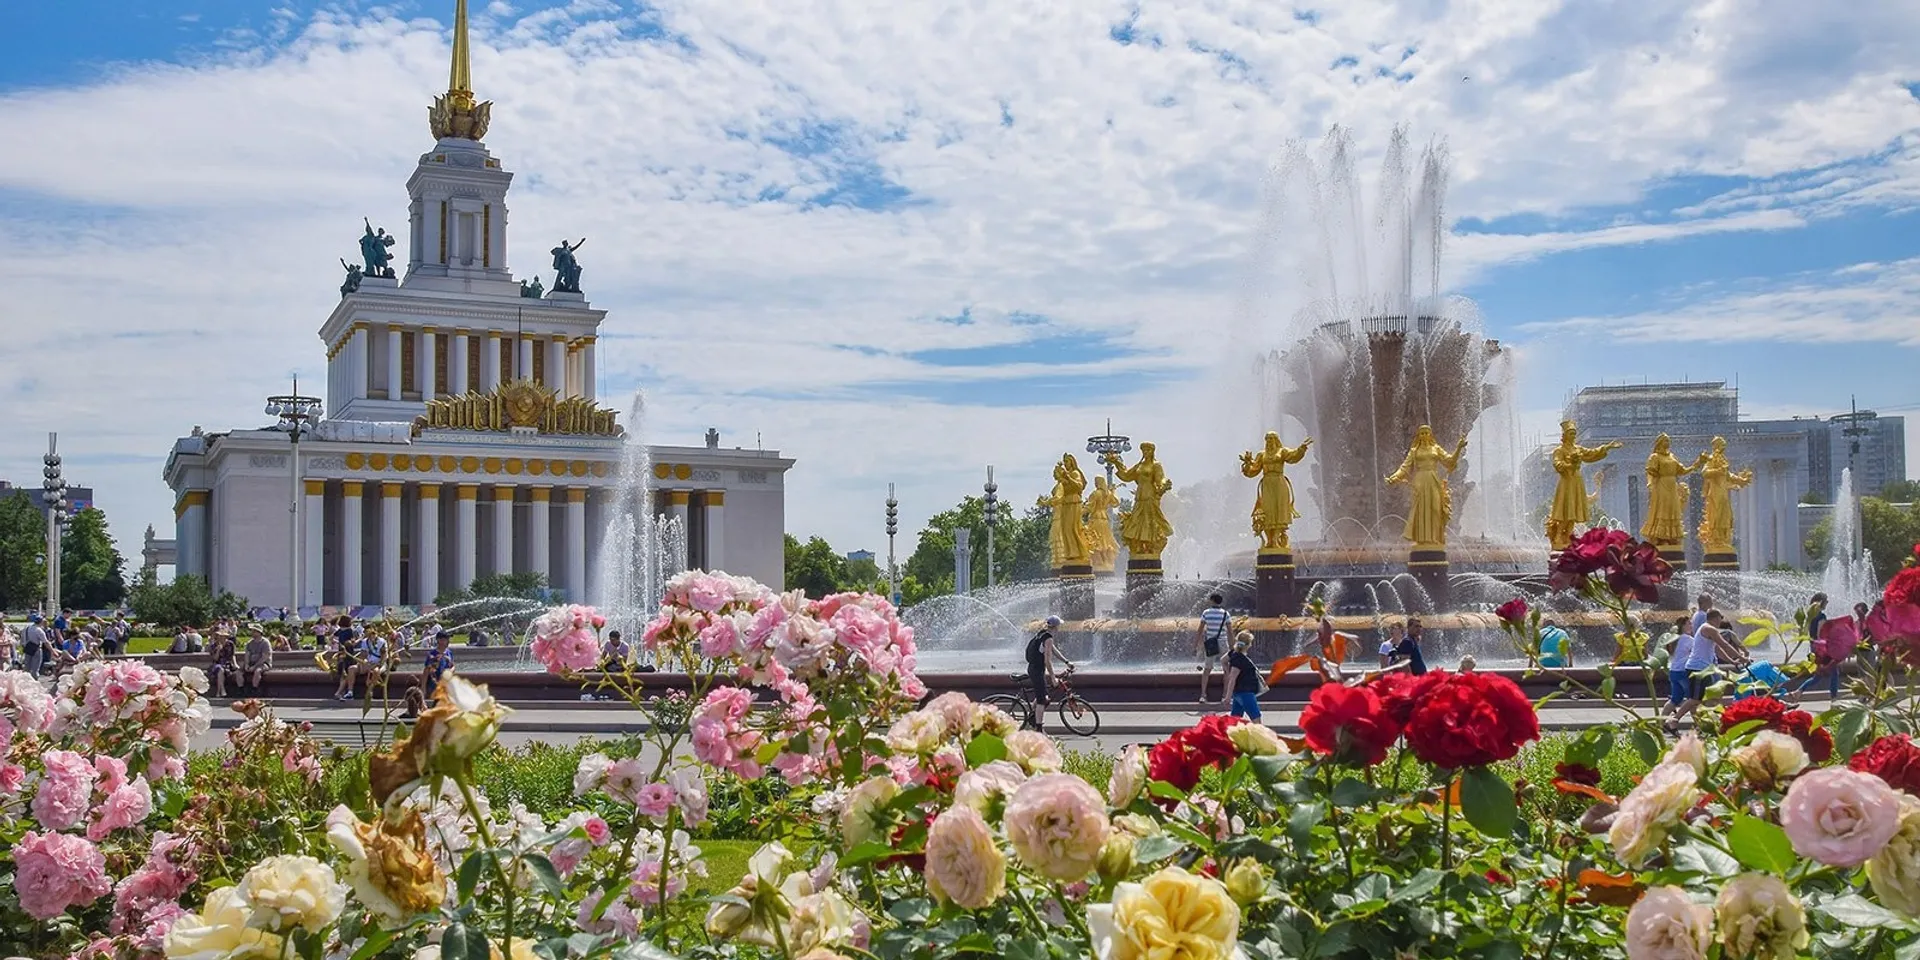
{"x":1109,"y":443}
{"x":296,"y":413}
{"x":893,"y":526}
{"x":993,"y":511}
{"x":55,"y":488}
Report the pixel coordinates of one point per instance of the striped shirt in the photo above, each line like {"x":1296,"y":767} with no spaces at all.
{"x":1214,"y":620}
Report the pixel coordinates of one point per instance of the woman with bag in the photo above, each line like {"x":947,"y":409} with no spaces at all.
{"x":1243,"y":679}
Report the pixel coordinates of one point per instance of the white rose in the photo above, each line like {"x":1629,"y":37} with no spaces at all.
{"x":1760,"y":919}
{"x":1129,"y":776}
{"x":1894,"y":872}
{"x":292,"y":891}
{"x":467,"y":718}
{"x":193,"y":678}
{"x":919,"y":732}
{"x":859,"y":822}
{"x":591,"y":773}
{"x":1651,"y":810}
{"x":220,"y":932}
{"x":1690,"y":751}
{"x":1770,"y":758}
{"x":979,"y":788}
{"x":1033,"y":751}
{"x":1255,"y":740}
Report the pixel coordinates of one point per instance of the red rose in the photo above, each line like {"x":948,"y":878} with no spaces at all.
{"x":1904,"y":587}
{"x":1576,"y":773}
{"x":1799,"y":725}
{"x":1513,"y":612}
{"x":1470,"y":720}
{"x":1180,"y":758}
{"x":1349,"y":723}
{"x":1767,"y":710}
{"x":1636,"y":570}
{"x":1398,"y":692}
{"x":1891,"y":758}
{"x":1587,"y":554}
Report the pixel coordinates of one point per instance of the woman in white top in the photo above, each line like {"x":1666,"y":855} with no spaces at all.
{"x":1699,"y":656}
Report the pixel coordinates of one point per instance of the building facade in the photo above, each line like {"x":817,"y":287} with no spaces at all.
{"x":463,"y":434}
{"x":78,"y":498}
{"x":1790,"y":459}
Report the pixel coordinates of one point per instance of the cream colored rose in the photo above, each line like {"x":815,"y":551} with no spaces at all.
{"x":919,"y":732}
{"x":815,"y":918}
{"x":964,"y":865}
{"x":467,"y":719}
{"x":1033,"y":751}
{"x":1129,"y":777}
{"x":1255,"y":739}
{"x":1116,"y":856}
{"x":289,"y":891}
{"x":988,"y":718}
{"x":1665,"y":924}
{"x":986,"y":788}
{"x":1894,"y":872}
{"x":861,"y":820}
{"x":1171,"y":914}
{"x":1760,"y":919}
{"x":1770,"y":759}
{"x":1246,"y":882}
{"x":388,"y":864}
{"x":220,"y":932}
{"x":1690,"y":751}
{"x":1651,"y":810}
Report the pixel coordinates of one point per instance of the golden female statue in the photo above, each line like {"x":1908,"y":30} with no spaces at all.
{"x":1273,"y":509}
{"x":1432,"y":502}
{"x":1144,"y":528}
{"x":1666,"y":495}
{"x":1718,"y":480}
{"x":1069,"y":539}
{"x":1570,"y":494}
{"x":1102,"y":549}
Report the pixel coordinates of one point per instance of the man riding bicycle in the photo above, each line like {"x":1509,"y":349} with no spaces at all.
{"x":1041,"y":653}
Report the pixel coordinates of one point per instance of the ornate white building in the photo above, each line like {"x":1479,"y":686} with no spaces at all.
{"x":463,"y":436}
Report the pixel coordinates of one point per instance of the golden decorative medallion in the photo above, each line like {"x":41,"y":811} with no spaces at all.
{"x":536,"y":467}
{"x":662,"y":470}
{"x":521,"y":400}
{"x":599,"y":469}
{"x":493,"y":464}
{"x":356,"y":461}
{"x":514,"y":465}
{"x":378,"y":461}
{"x":469,"y":464}
{"x":559,"y":468}
{"x":446,"y":464}
{"x":578,"y":468}
{"x":682,"y":472}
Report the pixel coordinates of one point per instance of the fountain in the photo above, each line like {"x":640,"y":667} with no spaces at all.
{"x":1848,"y":578}
{"x":639,"y":549}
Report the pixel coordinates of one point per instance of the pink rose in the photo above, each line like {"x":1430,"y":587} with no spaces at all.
{"x":862,"y":630}
{"x":720,"y":639}
{"x":616,"y":918}
{"x":66,"y":792}
{"x":158,"y":883}
{"x":1665,"y":924}
{"x":112,"y":771}
{"x":709,"y":593}
{"x":624,"y":779}
{"x":598,"y":833}
{"x":654,"y":800}
{"x":1839,"y":817}
{"x":1057,"y":824}
{"x":12,"y":777}
{"x":572,"y":651}
{"x":54,"y":871}
{"x":125,"y":807}
{"x":646,"y":883}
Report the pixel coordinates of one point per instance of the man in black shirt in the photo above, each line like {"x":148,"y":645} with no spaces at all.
{"x":1040,"y":656}
{"x":1409,"y":648}
{"x":1243,"y":679}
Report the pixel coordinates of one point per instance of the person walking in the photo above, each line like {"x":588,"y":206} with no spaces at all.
{"x":1408,"y":648}
{"x":1209,"y":642}
{"x":1703,"y":654}
{"x":34,"y":646}
{"x":1243,"y":679}
{"x":1041,"y":654}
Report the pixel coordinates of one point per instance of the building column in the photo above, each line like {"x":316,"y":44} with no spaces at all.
{"x":716,"y":529}
{"x":588,"y":384}
{"x":316,"y":545}
{"x":557,"y":363}
{"x":457,"y":369}
{"x":390,"y":542}
{"x":190,"y":534}
{"x":523,"y":357}
{"x":576,"y":541}
{"x":539,"y":532}
{"x":429,"y":345}
{"x":426,"y":547}
{"x":351,"y":578}
{"x":503,"y":528}
{"x":466,"y":540}
{"x":357,"y":372}
{"x":490,"y":363}
{"x":394,"y":373}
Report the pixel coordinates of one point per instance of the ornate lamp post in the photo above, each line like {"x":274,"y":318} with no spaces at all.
{"x":55,"y":488}
{"x":993,"y":516}
{"x":893,"y":526}
{"x":296,"y":414}
{"x":1109,"y":443}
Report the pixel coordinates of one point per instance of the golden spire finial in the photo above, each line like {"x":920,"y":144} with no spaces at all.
{"x":457,"y":114}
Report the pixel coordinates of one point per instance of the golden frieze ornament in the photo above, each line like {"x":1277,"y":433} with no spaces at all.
{"x":522,"y":404}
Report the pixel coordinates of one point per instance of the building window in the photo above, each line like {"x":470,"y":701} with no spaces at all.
{"x":408,"y":357}
{"x":440,"y":361}
{"x":474,"y":349}
{"x":539,"y":362}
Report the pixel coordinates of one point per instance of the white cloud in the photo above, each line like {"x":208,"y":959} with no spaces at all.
{"x":168,"y":236}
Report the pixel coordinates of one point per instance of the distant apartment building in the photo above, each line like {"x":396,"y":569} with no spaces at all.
{"x":78,"y":498}
{"x":1789,"y":458}
{"x":858,"y":555}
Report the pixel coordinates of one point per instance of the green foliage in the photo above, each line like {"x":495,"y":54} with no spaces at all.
{"x":814,"y":566}
{"x":510,"y":614}
{"x":1888,"y":530}
{"x":1901,"y":491}
{"x":538,"y":774}
{"x":92,"y":572}
{"x":23,"y":547}
{"x":187,"y":601}
{"x":1021,"y":549}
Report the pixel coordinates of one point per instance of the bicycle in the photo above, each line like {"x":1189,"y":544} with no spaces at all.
{"x":1075,"y":713}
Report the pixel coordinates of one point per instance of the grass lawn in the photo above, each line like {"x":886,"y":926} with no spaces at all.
{"x":726,"y":863}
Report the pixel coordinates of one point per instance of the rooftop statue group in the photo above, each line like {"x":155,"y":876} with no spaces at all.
{"x":1082,"y":534}
{"x":377,"y":261}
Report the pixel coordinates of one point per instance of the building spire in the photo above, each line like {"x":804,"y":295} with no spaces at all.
{"x":456,"y":114}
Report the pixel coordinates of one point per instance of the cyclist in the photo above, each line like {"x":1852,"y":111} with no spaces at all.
{"x":1041,"y":653}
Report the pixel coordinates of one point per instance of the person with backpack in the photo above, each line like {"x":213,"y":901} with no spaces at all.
{"x":1041,"y":654}
{"x":34,"y":645}
{"x":1243,"y":679}
{"x":1209,"y":642}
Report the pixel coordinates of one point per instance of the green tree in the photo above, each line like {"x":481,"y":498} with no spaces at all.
{"x":1901,"y":491}
{"x":187,"y":601}
{"x":1887,"y":530}
{"x":814,"y":567}
{"x":23,"y":546}
{"x":503,"y":602}
{"x":92,"y":572}
{"x":1021,"y":547}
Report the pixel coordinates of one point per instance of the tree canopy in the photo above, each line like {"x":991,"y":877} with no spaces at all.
{"x":92,"y":572}
{"x":1021,"y":550}
{"x":23,"y":547}
{"x":1887,"y":530}
{"x":188,"y":601}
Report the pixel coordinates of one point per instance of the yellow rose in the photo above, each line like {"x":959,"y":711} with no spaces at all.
{"x":1255,"y":740}
{"x":292,"y":891}
{"x":1895,"y":870}
{"x":1116,"y":856}
{"x":1770,"y":758}
{"x":467,"y":719}
{"x":388,"y":864}
{"x":861,"y":820}
{"x":1760,"y":919}
{"x":1246,"y":882}
{"x":1172,"y":913}
{"x":220,"y":932}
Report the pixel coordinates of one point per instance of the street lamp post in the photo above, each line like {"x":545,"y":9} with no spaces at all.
{"x":55,"y":488}
{"x":893,"y":526}
{"x":1109,"y":443}
{"x":296,"y":414}
{"x":993,"y":515}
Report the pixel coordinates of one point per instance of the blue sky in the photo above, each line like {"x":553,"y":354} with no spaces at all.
{"x":900,"y":242}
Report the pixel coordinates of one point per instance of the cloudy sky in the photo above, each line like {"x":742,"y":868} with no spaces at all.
{"x":902,"y":241}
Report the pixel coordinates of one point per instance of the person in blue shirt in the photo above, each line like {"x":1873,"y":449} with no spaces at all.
{"x":437,"y":661}
{"x":1556,"y":647}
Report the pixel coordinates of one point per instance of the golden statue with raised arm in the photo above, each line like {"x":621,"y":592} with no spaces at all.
{"x":1068,"y":537}
{"x":1273,"y":508}
{"x":1718,"y":480}
{"x":1144,"y":528}
{"x":1570,"y":493}
{"x":1102,"y":549}
{"x":1666,"y":495}
{"x":1432,"y":502}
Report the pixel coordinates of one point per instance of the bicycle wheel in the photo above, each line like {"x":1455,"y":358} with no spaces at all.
{"x":1015,"y":707}
{"x":1079,"y":716}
